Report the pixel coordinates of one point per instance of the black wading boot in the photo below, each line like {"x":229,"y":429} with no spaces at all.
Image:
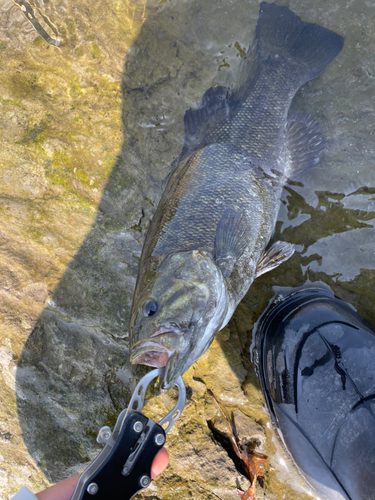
{"x":317,"y":369}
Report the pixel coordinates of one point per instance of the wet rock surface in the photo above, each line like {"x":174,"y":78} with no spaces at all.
{"x":89,"y":131}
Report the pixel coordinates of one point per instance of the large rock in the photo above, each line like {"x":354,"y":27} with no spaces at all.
{"x":86,"y":144}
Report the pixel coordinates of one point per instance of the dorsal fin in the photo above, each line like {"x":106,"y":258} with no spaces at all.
{"x":215,"y":109}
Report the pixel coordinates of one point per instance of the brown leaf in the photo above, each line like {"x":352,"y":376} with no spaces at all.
{"x":240,"y":493}
{"x":251,"y":461}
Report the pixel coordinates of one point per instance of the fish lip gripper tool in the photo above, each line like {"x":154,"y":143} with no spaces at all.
{"x":124,"y":465}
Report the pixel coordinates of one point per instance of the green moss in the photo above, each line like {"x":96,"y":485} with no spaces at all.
{"x":241,"y":51}
{"x":86,"y":206}
{"x":224,"y":65}
{"x":82,"y":176}
{"x":38,"y":41}
{"x":75,"y":87}
{"x":108,"y":163}
{"x":36,"y":134}
{"x":22,"y":86}
{"x":137,"y":227}
{"x":11,"y":103}
{"x":64,"y":169}
{"x":35,"y":235}
{"x":107,"y":416}
{"x":96,"y":53}
{"x":78,"y":53}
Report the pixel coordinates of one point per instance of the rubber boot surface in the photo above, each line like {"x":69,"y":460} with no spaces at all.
{"x":317,"y":364}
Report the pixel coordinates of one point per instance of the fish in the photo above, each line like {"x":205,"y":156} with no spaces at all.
{"x":208,"y":239}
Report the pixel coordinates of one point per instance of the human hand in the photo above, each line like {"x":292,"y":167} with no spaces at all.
{"x":64,"y":489}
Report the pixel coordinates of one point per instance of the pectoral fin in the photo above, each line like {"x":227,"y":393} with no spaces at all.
{"x":232,"y":236}
{"x":278,"y":253}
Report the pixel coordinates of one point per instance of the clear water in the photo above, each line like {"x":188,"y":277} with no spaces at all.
{"x":90,"y":130}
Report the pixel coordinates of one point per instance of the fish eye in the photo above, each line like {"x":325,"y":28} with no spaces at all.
{"x":150,"y":307}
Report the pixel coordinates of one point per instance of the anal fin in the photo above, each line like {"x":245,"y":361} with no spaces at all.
{"x":277,"y":254}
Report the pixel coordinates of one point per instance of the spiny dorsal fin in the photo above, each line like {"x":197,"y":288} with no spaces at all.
{"x":278,"y":253}
{"x":305,"y":142}
{"x":232,"y":237}
{"x":215,"y":109}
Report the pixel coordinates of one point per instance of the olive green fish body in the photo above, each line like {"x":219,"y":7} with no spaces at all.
{"x":202,"y":187}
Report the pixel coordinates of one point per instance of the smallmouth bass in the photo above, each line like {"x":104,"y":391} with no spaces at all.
{"x":207,"y":241}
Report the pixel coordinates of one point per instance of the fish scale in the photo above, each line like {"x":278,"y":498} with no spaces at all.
{"x":191,"y":227}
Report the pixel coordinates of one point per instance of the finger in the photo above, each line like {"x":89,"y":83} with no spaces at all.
{"x":60,"y":491}
{"x":160,"y":463}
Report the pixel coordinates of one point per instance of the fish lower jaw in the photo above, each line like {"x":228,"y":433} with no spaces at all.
{"x":150,"y":354}
{"x":156,"y":359}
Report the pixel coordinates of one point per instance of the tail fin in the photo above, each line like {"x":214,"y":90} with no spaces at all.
{"x":282,"y":34}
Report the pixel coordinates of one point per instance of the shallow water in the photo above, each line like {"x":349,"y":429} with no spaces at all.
{"x":89,"y":131}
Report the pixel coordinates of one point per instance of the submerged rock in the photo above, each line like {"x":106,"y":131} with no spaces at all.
{"x":86,"y":145}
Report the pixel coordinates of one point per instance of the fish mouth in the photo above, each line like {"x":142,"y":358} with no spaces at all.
{"x":150,"y":354}
{"x":157,"y":349}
